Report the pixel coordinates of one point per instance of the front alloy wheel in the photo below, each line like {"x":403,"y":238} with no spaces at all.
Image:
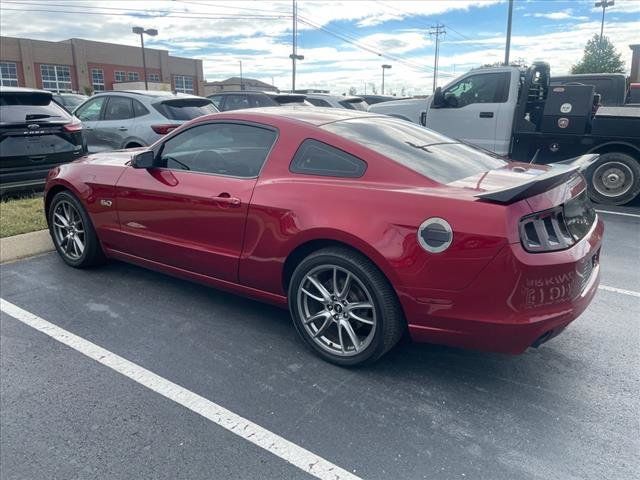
{"x":343,"y":307}
{"x":68,"y":230}
{"x":72,"y":232}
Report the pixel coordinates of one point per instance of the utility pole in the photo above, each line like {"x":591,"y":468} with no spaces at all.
{"x":508,"y":45}
{"x":604,"y":4}
{"x":294,"y":56}
{"x":436,"y":30}
{"x":384,"y":67}
{"x":241,"y":82}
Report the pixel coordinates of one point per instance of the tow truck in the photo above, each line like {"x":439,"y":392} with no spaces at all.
{"x":517,"y":113}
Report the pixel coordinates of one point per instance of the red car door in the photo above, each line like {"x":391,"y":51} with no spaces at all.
{"x":190,"y":213}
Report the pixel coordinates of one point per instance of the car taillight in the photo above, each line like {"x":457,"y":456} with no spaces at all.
{"x":74,"y":126}
{"x":164,"y":128}
{"x":558,"y":228}
{"x":545,"y":231}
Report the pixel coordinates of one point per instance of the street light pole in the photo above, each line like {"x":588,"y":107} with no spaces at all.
{"x":604,"y":4}
{"x":384,"y":67}
{"x":507,"y":48}
{"x":241,"y":82}
{"x":151,"y":32}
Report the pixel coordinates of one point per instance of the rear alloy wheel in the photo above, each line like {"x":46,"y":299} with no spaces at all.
{"x":344,"y":308}
{"x":72,"y":232}
{"x":615,"y":179}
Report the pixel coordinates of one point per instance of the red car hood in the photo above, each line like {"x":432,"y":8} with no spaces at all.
{"x":112,"y":157}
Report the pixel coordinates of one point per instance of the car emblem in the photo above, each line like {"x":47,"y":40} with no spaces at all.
{"x":106,"y":203}
{"x":33,"y":126}
{"x":563,"y":122}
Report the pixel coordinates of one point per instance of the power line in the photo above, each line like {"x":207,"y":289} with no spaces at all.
{"x":118,"y":11}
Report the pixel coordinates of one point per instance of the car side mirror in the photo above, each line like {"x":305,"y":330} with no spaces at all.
{"x":438,"y":98}
{"x":146,"y":159}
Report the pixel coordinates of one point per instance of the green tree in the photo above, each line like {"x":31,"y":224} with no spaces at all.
{"x":599,"y":57}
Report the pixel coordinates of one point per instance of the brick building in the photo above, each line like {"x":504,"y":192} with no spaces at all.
{"x":78,"y":65}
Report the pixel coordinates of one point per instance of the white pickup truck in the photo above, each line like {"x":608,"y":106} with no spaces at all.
{"x":515,"y":112}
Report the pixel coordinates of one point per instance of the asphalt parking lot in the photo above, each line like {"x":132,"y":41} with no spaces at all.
{"x":568,"y":410}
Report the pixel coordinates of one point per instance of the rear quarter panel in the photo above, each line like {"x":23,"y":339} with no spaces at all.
{"x":377,"y":214}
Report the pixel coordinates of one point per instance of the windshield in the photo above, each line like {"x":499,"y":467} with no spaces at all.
{"x":424,"y":151}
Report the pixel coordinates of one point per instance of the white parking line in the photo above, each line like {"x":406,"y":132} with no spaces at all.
{"x":624,"y":214}
{"x":275,"y":444}
{"x":619,"y":290}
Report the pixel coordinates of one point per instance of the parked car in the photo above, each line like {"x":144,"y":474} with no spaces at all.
{"x":373,"y":99}
{"x":410,"y":109}
{"x":69,"y":100}
{"x":35,"y":134}
{"x":336,"y":101}
{"x":253,"y":99}
{"x":364,"y":226}
{"x":136,"y":118}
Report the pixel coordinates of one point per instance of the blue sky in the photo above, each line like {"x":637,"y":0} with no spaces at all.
{"x":344,"y":42}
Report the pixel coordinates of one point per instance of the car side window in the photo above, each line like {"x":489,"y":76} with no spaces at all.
{"x":236,"y":102}
{"x":318,"y":158}
{"x":138,"y":109}
{"x":118,"y":108}
{"x":264,"y":101}
{"x":481,"y":88}
{"x":230,"y":149}
{"x":217,"y":101}
{"x":90,"y":111}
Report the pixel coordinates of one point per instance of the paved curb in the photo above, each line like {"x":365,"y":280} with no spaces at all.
{"x":25,"y":245}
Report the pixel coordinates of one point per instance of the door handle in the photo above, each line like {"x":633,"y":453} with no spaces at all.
{"x":226,"y":199}
{"x":123,"y":129}
{"x":486,"y":114}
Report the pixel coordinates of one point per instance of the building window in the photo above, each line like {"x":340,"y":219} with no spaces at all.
{"x":184,"y":83}
{"x":134,"y":76}
{"x":8,"y":74}
{"x":154,"y":77}
{"x":120,"y":76}
{"x":56,"y":78}
{"x":97,"y":79}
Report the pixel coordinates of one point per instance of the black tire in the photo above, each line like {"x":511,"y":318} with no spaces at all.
{"x":614,"y":165}
{"x":92,"y":254}
{"x":389,"y":319}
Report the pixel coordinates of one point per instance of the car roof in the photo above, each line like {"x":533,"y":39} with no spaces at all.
{"x":337,"y":97}
{"x":315,"y":116}
{"x":149,"y":93}
{"x":22,"y":90}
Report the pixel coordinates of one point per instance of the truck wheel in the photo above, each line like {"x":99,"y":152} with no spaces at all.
{"x":614,"y":179}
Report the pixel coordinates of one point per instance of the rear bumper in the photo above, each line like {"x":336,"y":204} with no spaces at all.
{"x":519,"y":300}
{"x":17,"y":179}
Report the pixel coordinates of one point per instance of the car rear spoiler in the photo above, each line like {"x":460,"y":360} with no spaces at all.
{"x":559,"y":173}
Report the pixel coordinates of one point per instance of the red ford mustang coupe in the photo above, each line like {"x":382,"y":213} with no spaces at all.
{"x":365,"y":226}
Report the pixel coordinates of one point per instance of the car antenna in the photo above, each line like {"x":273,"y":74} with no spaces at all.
{"x":535,"y":157}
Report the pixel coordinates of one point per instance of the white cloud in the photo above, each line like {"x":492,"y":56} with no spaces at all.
{"x":263,"y":44}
